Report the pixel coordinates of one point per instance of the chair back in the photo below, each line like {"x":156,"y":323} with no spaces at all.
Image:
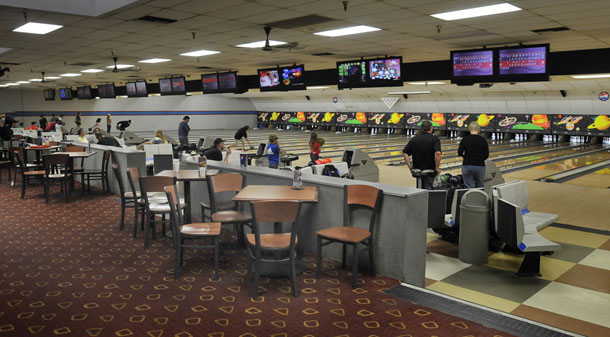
{"x":362,"y":195}
{"x":163,"y":162}
{"x":106,"y":161}
{"x":275,"y":211}
{"x":53,"y":162}
{"x":119,"y":179}
{"x":153,"y":184}
{"x":133,"y":176}
{"x":72,"y":148}
{"x":16,"y":155}
{"x":224,"y":182}
{"x":175,"y":216}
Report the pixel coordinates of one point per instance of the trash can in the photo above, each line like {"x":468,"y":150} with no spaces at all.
{"x":474,"y":227}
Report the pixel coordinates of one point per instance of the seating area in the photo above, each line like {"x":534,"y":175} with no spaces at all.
{"x":515,"y":192}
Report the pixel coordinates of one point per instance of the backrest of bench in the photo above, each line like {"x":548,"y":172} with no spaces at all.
{"x":510,"y":223}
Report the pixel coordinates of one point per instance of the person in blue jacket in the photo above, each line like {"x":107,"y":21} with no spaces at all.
{"x":273,"y":151}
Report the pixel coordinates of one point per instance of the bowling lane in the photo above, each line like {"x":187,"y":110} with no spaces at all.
{"x":543,"y":170}
{"x":598,"y":179}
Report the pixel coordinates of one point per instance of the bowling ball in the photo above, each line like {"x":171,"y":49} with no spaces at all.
{"x":326,"y":161}
{"x":319,"y":162}
{"x":445,"y":177}
{"x":460,"y":179}
{"x":453,"y":180}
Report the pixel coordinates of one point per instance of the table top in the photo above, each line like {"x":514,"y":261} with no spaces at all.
{"x":277,"y":193}
{"x":53,"y":147}
{"x":77,"y":154}
{"x":187,"y":175}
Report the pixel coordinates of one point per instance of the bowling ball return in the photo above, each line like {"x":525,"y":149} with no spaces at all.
{"x":287,"y":159}
{"x":419,"y":175}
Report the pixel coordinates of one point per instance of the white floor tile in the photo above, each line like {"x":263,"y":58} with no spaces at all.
{"x":599,"y":258}
{"x":439,"y":266}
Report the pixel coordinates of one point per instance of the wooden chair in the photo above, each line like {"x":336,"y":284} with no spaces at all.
{"x":273,"y":248}
{"x":57,"y":171}
{"x":127,"y":198}
{"x":77,"y":168}
{"x":154,"y":184}
{"x":190,"y":232}
{"x":230,"y":183}
{"x":354,"y":195}
{"x":27,"y":174}
{"x":101,"y":174}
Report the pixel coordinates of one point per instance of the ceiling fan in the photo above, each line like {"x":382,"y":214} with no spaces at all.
{"x":116,"y":69}
{"x":43,"y":80}
{"x":269,"y":48}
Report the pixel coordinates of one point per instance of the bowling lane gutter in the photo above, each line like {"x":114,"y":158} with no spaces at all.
{"x":551,"y":160}
{"x":575,"y":173}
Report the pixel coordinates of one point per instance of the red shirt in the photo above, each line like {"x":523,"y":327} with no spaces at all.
{"x":33,"y":127}
{"x":316,"y":148}
{"x":50,"y":127}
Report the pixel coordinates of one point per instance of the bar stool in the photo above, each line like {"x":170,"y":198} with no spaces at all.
{"x":273,"y":248}
{"x":354,"y":195}
{"x":190,"y":232}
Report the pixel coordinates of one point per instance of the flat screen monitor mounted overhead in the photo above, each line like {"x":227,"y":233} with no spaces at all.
{"x":385,"y":72}
{"x":352,"y":74}
{"x":282,"y":78}
{"x":523,"y":63}
{"x":472,"y":66}
{"x":209,"y":83}
{"x":49,"y":95}
{"x":65,"y":94}
{"x":136,"y":89}
{"x":106,"y":91}
{"x":165,"y":86}
{"x":219,"y":83}
{"x":84,"y":92}
{"x":178,"y":85}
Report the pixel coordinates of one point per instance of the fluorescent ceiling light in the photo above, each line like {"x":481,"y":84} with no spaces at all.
{"x":23,"y":82}
{"x":202,"y":52}
{"x":154,"y":60}
{"x":69,"y":75}
{"x":120,"y":66}
{"x":4,"y":50}
{"x":52,"y":77}
{"x":591,"y":76}
{"x":260,"y":44}
{"x":91,"y":70}
{"x":316,"y":88}
{"x":409,"y":92}
{"x":348,"y":31}
{"x":427,"y":83}
{"x":37,"y":28}
{"x":35,"y":80}
{"x":476,"y":12}
{"x":11,"y":84}
{"x":3,"y":85}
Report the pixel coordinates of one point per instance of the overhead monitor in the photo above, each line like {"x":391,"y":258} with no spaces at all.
{"x":49,"y":95}
{"x":475,"y":64}
{"x":227,"y":82}
{"x":269,"y":79}
{"x":385,"y":72}
{"x":106,"y":91}
{"x":141,"y":89}
{"x":352,"y":74}
{"x":65,"y":94}
{"x":209,"y":83}
{"x":523,"y":63}
{"x":84,"y":92}
{"x":165,"y":86}
{"x":178,"y":85}
{"x":293,"y":78}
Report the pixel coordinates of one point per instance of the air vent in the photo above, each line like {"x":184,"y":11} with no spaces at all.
{"x":302,"y":21}
{"x":82,"y":64}
{"x":157,"y":19}
{"x":323,"y":54}
{"x":551,"y":30}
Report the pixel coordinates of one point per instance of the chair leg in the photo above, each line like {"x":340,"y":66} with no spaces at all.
{"x":257,"y":276}
{"x":135,"y":219}
{"x":355,"y":266}
{"x":216,"y":257}
{"x":122,"y":224}
{"x":530,"y":267}
{"x":319,"y":257}
{"x":343,"y":257}
{"x":147,"y":231}
{"x":178,"y":261}
{"x":163,"y":225}
{"x":23,"y":183}
{"x":372,"y":268}
{"x":293,"y":276}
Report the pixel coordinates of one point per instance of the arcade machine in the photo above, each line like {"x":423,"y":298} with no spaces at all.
{"x":361,"y":165}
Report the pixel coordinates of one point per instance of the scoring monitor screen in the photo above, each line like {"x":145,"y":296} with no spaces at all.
{"x":523,"y":61}
{"x":473,"y":63}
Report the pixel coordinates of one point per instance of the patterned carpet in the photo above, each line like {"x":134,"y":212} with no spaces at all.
{"x":67,"y":270}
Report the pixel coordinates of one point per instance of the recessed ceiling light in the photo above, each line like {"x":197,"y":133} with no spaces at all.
{"x":202,"y":52}
{"x":37,"y":28}
{"x":3,"y":85}
{"x":23,"y":82}
{"x":260,"y":44}
{"x":52,"y":77}
{"x":476,"y":12}
{"x":35,"y":80}
{"x":154,"y":60}
{"x":70,"y":75}
{"x":427,"y":83}
{"x":4,"y":50}
{"x":11,"y":84}
{"x":591,"y":76}
{"x":92,"y":70}
{"x":348,"y":31}
{"x":409,"y":92}
{"x":120,"y":66}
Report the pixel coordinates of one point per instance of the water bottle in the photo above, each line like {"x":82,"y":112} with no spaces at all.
{"x":297,"y":182}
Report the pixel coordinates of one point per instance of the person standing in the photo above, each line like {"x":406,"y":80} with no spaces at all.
{"x":97,"y":125}
{"x":273,"y":151}
{"x":42,"y":123}
{"x":215,"y":152}
{"x":183,"y":131}
{"x":77,"y":120}
{"x":54,"y":118}
{"x":474,"y":149}
{"x":108,"y":123}
{"x":314,"y":147}
{"x":425,"y":149}
{"x":240,"y":135}
{"x":5,"y":132}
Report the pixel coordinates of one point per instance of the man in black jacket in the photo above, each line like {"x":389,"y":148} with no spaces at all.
{"x":215,"y":152}
{"x":425,"y":149}
{"x":108,"y":141}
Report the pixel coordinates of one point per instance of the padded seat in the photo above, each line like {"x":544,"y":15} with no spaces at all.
{"x":347,"y":234}
{"x":201,"y":229}
{"x":231,"y":216}
{"x":536,"y":243}
{"x":34,"y":173}
{"x":58,"y":175}
{"x":272,"y":241}
{"x":538,"y":223}
{"x":162,"y":208}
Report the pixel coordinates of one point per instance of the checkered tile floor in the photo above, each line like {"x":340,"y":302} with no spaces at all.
{"x":572,"y":294}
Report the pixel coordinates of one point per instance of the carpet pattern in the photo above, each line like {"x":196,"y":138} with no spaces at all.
{"x":66,"y":270}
